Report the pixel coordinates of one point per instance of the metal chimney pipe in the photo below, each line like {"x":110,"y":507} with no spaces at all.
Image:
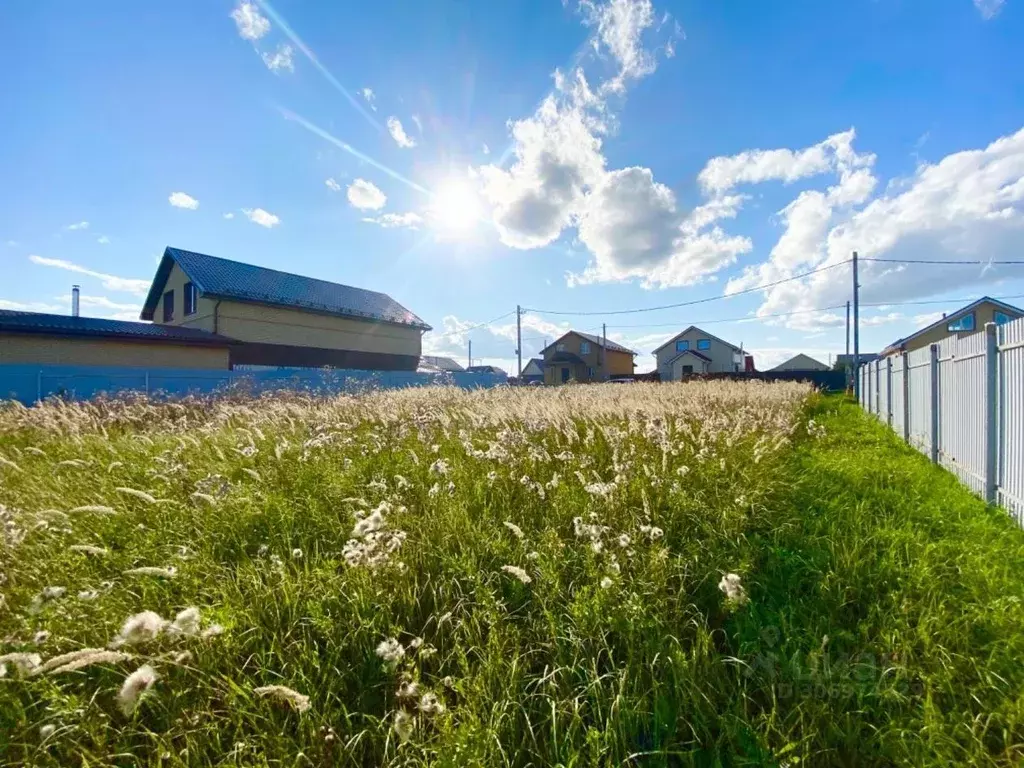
{"x":74,"y":300}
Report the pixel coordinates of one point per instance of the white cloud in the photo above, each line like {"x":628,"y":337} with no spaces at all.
{"x":103,"y":240}
{"x":78,"y":226}
{"x":370,"y":96}
{"x":183,"y":200}
{"x":398,"y":133}
{"x":487,"y":150}
{"x":333,"y":185}
{"x":280,"y":60}
{"x":365,"y":195}
{"x":989,"y":9}
{"x":110,"y":282}
{"x":261,"y":217}
{"x":12,"y":243}
{"x":229,"y":215}
{"x":419,"y":125}
{"x":967,"y":206}
{"x":35,"y":306}
{"x":392,"y":220}
{"x":252,"y":25}
{"x":621,"y":25}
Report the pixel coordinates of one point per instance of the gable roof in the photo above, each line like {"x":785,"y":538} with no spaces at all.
{"x":701,"y":330}
{"x":69,"y":325}
{"x":611,"y":345}
{"x":693,"y":352}
{"x":801,"y":359}
{"x":950,"y":316}
{"x":440,"y":363}
{"x":225,"y":279}
{"x":538,"y":363}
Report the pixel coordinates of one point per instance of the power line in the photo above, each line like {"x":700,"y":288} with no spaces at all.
{"x":938,"y":301}
{"x":761,"y":287}
{"x":941,"y":261}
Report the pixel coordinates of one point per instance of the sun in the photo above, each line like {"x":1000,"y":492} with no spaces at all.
{"x":455,"y":206}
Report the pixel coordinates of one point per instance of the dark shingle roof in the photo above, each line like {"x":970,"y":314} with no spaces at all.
{"x":222,"y":278}
{"x":600,"y":342}
{"x":67,"y":325}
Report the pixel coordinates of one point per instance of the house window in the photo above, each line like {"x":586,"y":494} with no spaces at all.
{"x":687,"y":369}
{"x":682,"y":345}
{"x":703,"y":343}
{"x":590,"y":372}
{"x":1001,"y":318}
{"x":190,"y":298}
{"x":965,"y":323}
{"x":168,"y":306}
{"x":560,"y":348}
{"x":584,"y":347}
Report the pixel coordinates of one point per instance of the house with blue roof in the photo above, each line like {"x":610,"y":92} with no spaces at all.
{"x":280,"y":319}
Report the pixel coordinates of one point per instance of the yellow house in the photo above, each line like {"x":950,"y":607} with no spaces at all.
{"x":963,"y":322}
{"x":36,"y":338}
{"x":582,"y":357}
{"x":280,"y":319}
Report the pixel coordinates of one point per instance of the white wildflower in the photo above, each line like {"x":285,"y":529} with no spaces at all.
{"x":407,"y":690}
{"x":533,"y":556}
{"x":390,"y":650}
{"x":606,"y":582}
{"x":373,"y":522}
{"x":52,"y":593}
{"x":40,"y":637}
{"x":435,"y":489}
{"x":683,"y":471}
{"x":492,"y":476}
{"x":185,"y":623}
{"x":624,"y":540}
{"x":25,"y":663}
{"x":88,"y":594}
{"x":516,"y":530}
{"x":212,"y":631}
{"x":439,"y":467}
{"x":89,"y":549}
{"x":734,"y":592}
{"x":431,"y":705}
{"x":415,"y":643}
{"x":519,"y":573}
{"x":183,"y":657}
{"x":151,"y":570}
{"x":47,"y":731}
{"x":296,"y":554}
{"x":135,"y":685}
{"x":262,"y":551}
{"x":141,"y":628}
{"x":404,"y":725}
{"x":294,"y":699}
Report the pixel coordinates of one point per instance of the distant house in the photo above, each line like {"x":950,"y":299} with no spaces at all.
{"x":963,"y":322}
{"x":801,"y":362}
{"x":280,"y":319}
{"x":534,"y":370}
{"x":578,"y":356}
{"x":43,"y":339}
{"x":696,"y":351}
{"x":434,"y":364}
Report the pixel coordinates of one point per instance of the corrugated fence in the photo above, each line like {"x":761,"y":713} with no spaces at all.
{"x":30,"y":383}
{"x":961,"y":403}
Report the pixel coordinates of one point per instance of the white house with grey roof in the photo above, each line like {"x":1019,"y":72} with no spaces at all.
{"x":695,"y":351}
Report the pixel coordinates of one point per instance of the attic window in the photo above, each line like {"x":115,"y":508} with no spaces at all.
{"x":703,"y":343}
{"x":190,"y":298}
{"x":584,"y":347}
{"x":965,"y":323}
{"x":1001,"y":318}
{"x":682,"y":345}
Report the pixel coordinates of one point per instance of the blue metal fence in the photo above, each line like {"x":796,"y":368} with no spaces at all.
{"x":30,"y":383}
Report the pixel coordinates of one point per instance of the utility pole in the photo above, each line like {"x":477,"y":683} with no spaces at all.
{"x":856,"y":331}
{"x":469,"y":363}
{"x":847,"y":327}
{"x":604,"y":351}
{"x":519,"y":340}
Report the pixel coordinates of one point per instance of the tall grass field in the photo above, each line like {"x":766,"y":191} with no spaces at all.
{"x":706,"y":574}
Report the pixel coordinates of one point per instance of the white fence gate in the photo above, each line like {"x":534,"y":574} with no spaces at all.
{"x":961,"y":403}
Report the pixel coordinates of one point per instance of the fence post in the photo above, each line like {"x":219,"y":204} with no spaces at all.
{"x":991,"y":411}
{"x":147,"y":383}
{"x":878,"y":389}
{"x":906,"y":397}
{"x":934,"y":402}
{"x":888,"y":391}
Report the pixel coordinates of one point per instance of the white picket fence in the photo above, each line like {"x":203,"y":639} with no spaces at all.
{"x":961,"y":403}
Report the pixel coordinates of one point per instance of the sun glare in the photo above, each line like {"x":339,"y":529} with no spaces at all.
{"x":456,"y":206}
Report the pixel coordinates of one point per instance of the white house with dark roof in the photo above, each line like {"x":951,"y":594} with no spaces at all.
{"x":279,"y":319}
{"x":696,"y":351}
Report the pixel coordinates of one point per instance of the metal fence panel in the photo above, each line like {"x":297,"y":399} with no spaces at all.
{"x":960,"y":402}
{"x":1010,"y":396}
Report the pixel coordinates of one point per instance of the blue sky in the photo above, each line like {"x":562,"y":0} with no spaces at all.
{"x":468,"y":157}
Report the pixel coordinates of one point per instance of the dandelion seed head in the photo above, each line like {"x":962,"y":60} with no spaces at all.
{"x":141,"y":628}
{"x":135,"y":685}
{"x":185,"y":623}
{"x":606,"y":582}
{"x":404,"y":725}
{"x":390,"y":650}
{"x":431,"y":705}
{"x":47,"y":731}
{"x":733,"y":589}
{"x":212,"y":631}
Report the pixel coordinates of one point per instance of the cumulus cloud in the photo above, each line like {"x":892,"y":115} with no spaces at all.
{"x":33,"y":306}
{"x":333,"y":185}
{"x":370,"y":96}
{"x":229,"y":215}
{"x":620,"y":27}
{"x":280,"y":60}
{"x":261,"y":217}
{"x":398,"y":133}
{"x":110,"y":282}
{"x":183,"y":200}
{"x":968,"y":206}
{"x":103,"y":240}
{"x":252,"y":25}
{"x":365,"y":195}
{"x":408,"y":220}
{"x":989,"y":9}
{"x":77,"y":226}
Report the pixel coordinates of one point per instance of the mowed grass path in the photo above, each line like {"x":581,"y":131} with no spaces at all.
{"x":884,"y":623}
